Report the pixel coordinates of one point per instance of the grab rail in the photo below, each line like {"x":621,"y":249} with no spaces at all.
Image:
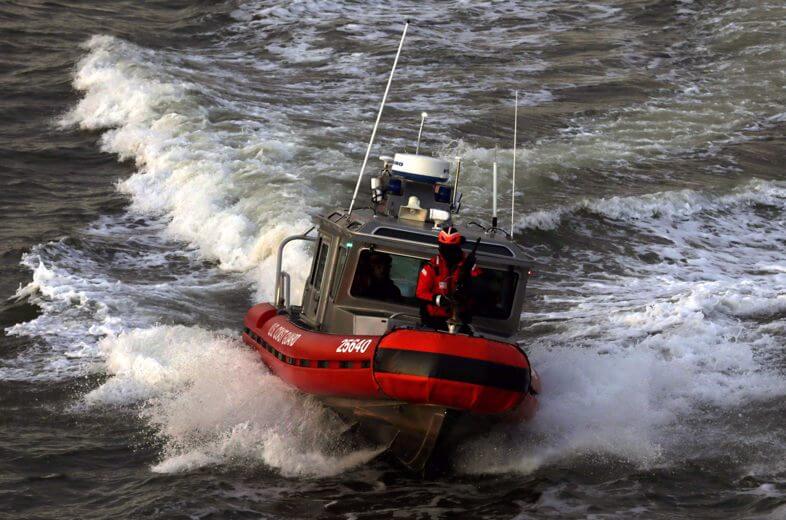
{"x":399,"y":314}
{"x":286,"y":282}
{"x":282,"y":300}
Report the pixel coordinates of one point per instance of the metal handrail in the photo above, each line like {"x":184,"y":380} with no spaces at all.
{"x":397,"y":314}
{"x":279,"y":261}
{"x":286,"y":281}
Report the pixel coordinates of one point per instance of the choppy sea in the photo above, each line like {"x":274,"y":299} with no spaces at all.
{"x":152,"y":155}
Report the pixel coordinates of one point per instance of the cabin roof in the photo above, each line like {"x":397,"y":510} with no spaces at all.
{"x":364,"y":225}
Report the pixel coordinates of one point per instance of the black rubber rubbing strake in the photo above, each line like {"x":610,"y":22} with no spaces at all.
{"x":452,"y":368}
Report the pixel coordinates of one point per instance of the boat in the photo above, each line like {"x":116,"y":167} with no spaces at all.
{"x":358,"y":344}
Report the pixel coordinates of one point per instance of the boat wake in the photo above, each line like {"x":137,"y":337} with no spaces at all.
{"x":200,"y":175}
{"x":662,"y":319}
{"x":212,"y":402}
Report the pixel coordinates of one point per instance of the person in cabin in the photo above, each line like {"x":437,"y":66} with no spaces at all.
{"x":375,"y":281}
{"x":443,"y":283}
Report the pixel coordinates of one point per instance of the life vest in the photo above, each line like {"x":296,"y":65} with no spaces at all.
{"x":437,"y":278}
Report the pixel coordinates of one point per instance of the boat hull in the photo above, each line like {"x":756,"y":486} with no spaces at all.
{"x":401,"y":386}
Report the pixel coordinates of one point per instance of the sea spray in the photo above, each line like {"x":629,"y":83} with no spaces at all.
{"x":212,"y":401}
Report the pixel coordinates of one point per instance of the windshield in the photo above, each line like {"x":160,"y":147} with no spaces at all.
{"x":393,"y":278}
{"x":387,"y":277}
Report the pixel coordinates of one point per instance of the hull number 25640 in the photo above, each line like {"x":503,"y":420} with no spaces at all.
{"x":353,"y":345}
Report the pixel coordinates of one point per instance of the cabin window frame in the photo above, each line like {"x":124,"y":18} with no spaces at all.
{"x":395,"y":233}
{"x":314,"y":261}
{"x":404,"y":303}
{"x":341,"y":264}
{"x":319,"y":257}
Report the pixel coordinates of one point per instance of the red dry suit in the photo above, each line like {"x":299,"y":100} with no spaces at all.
{"x":436,"y":278}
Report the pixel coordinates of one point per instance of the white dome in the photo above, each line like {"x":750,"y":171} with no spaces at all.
{"x":420,"y":168}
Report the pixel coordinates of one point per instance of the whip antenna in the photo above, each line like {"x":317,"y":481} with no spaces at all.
{"x":379,"y":115}
{"x":513,"y":188}
{"x":423,"y":117}
{"x":494,"y":197}
{"x":455,"y":200}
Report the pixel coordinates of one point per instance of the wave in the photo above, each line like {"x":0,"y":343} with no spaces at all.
{"x":669,"y":205}
{"x":207,"y":178}
{"x":625,"y":359}
{"x":703,"y":106}
{"x":638,"y":367}
{"x":211,"y":401}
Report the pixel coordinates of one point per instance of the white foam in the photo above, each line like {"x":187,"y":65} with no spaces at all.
{"x":71,"y":310}
{"x":631,"y":354}
{"x":620,"y":378}
{"x":661,"y":206}
{"x":189,"y":170}
{"x":300,"y":52}
{"x":83,"y":297}
{"x":212,"y":401}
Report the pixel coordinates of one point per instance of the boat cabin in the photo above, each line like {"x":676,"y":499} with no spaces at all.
{"x":366,"y":264}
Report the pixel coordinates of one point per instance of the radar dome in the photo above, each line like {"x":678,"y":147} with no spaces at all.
{"x":420,"y":168}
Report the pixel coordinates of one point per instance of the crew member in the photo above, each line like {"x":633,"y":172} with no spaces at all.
{"x":374,"y":280}
{"x":443,"y":280}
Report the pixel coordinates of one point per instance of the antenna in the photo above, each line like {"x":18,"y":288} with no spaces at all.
{"x":423,"y":117}
{"x":513,"y":188}
{"x":455,"y":185}
{"x":494,"y":196}
{"x":379,"y":115}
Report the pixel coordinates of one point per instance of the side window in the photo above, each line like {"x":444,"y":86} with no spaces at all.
{"x":393,"y":278}
{"x":494,"y":291}
{"x":386,"y":277}
{"x":405,"y":272}
{"x":314,"y":261}
{"x":342,"y":260}
{"x":319,"y":271}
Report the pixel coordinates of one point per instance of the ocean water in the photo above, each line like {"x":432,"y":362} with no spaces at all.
{"x":153,"y":156}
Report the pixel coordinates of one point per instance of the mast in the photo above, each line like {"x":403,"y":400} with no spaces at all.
{"x":379,"y":115}
{"x":494,"y":198}
{"x":423,"y":117}
{"x":513,"y":188}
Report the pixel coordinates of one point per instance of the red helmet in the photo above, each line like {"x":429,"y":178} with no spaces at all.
{"x":450,"y":236}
